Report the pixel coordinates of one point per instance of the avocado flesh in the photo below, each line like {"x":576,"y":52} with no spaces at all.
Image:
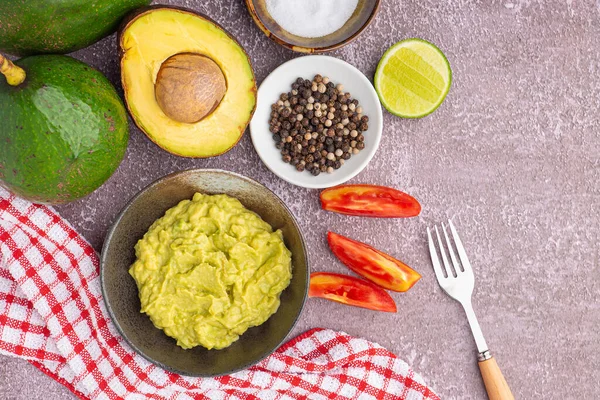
{"x":59,"y":26}
{"x":64,"y":130}
{"x":159,"y":33}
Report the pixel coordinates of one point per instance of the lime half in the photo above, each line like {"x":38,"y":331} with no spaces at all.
{"x":413,"y":78}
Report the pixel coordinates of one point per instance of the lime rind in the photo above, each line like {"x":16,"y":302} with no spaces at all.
{"x":384,"y":62}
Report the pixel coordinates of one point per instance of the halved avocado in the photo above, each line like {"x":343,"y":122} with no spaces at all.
{"x":174,"y":55}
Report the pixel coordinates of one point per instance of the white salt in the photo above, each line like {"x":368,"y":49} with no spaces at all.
{"x":311,"y":18}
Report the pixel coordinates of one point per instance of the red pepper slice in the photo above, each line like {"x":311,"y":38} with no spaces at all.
{"x":369,"y":201}
{"x":350,"y":290}
{"x":376,"y":266}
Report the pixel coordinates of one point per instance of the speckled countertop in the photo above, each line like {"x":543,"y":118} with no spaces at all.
{"x":513,"y":155}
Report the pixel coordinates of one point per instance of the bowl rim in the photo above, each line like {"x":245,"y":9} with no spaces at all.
{"x":108,"y":240}
{"x":378,"y":114}
{"x":309,"y":50}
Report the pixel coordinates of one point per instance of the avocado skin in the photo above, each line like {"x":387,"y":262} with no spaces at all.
{"x":63,"y":132}
{"x":59,"y":26}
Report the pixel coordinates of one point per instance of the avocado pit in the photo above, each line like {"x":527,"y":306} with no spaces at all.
{"x":189,"y":86}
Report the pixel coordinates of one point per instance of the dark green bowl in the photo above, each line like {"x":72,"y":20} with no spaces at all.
{"x":121,"y":295}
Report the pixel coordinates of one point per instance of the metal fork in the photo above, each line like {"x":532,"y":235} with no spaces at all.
{"x":457,"y":280}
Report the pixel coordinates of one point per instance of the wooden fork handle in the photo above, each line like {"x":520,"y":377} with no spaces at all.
{"x":495,"y":384}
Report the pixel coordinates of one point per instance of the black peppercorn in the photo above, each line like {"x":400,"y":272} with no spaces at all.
{"x":319,"y":135}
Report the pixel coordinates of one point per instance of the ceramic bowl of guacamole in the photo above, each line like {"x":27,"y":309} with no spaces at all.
{"x":188,"y":191}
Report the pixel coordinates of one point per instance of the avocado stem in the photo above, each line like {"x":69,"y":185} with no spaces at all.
{"x":14,"y":75}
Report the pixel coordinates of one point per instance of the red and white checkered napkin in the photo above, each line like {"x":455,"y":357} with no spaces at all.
{"x":52,"y":314}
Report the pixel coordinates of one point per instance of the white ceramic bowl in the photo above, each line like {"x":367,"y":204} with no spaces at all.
{"x":280,"y":81}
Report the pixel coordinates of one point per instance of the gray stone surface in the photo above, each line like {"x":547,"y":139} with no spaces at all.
{"x":512,"y":155}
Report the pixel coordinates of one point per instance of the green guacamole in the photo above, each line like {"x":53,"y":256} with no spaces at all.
{"x":209,"y":269}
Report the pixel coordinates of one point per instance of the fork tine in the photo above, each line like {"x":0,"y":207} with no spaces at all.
{"x":443,"y":252}
{"x":434,"y":257}
{"x":459,"y":247}
{"x":455,"y":263}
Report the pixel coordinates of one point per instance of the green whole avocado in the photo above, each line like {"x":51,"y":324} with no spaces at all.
{"x":59,"y":26}
{"x":63,"y":128}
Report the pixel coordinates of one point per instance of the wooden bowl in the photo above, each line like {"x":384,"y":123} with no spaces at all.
{"x":361,"y":18}
{"x":121,"y":294}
